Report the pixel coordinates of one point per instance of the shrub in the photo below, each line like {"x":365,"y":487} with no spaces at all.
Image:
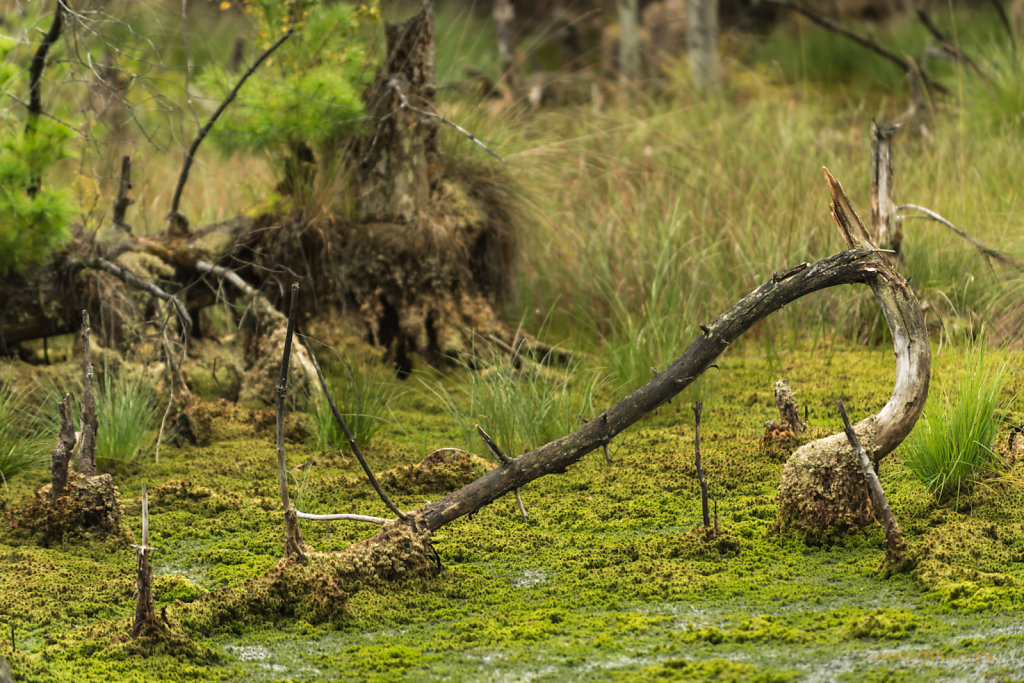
{"x":32,"y":224}
{"x":951,"y":449}
{"x":308,"y":94}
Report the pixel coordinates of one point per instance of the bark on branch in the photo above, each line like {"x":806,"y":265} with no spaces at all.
{"x":855,"y":265}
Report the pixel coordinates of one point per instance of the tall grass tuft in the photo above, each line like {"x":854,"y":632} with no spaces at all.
{"x":127,"y":410}
{"x":521,"y":408}
{"x":951,"y":450}
{"x":22,"y":434}
{"x":362,"y":397}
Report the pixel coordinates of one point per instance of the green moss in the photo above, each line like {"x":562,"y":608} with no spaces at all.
{"x":614,"y":576}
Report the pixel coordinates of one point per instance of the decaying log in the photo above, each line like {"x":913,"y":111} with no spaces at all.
{"x":60,"y":457}
{"x":855,"y":265}
{"x":802,"y":498}
{"x":895,"y":543}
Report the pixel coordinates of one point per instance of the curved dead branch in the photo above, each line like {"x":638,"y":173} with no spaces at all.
{"x":855,"y":265}
{"x":861,"y":263}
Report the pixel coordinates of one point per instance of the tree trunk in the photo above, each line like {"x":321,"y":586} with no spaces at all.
{"x":398,"y":163}
{"x":702,"y":43}
{"x":629,"y":41}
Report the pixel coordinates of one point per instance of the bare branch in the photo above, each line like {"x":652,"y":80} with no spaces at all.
{"x":174,"y":216}
{"x":343,"y":517}
{"x":404,"y":104}
{"x":895,"y":543}
{"x":35,"y":76}
{"x":698,"y":407}
{"x":351,"y":439}
{"x":986,"y":251}
{"x":863,"y":41}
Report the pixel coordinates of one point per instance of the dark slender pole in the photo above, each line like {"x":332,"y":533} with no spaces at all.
{"x":697,"y":408}
{"x":190,"y":154}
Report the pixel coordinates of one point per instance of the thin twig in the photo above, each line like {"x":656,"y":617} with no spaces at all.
{"x":282,"y":392}
{"x":404,"y":104}
{"x":868,"y":43}
{"x":349,"y":437}
{"x":130,"y":278}
{"x":986,"y":251}
{"x":698,"y":407}
{"x":190,"y":154}
{"x":522,"y":508}
{"x":343,"y":517}
{"x":35,"y":77}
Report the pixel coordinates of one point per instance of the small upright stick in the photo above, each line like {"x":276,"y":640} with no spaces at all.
{"x":145,"y":608}
{"x":895,"y":543}
{"x":89,"y":423}
{"x":293,"y":536}
{"x":697,"y":408}
{"x":886,"y":228}
{"x":61,"y":455}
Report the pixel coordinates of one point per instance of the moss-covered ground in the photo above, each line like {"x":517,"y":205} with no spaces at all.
{"x":612,"y":578}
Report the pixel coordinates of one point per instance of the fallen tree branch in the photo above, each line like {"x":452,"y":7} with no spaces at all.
{"x":986,"y":251}
{"x":342,"y":517}
{"x":895,"y":543}
{"x":133,"y":280}
{"x":855,"y":265}
{"x":834,"y":26}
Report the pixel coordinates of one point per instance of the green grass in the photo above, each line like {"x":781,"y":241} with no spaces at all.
{"x":126,"y":410}
{"x":520,"y":408}
{"x":950,"y":450}
{"x":23,"y":443}
{"x":362,"y":393}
